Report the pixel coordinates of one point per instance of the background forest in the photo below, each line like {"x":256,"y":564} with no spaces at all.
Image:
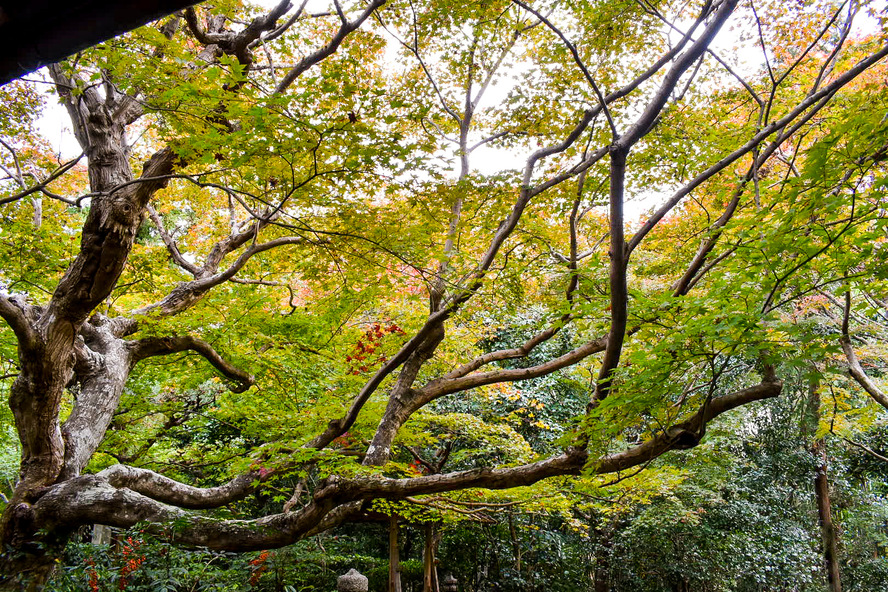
{"x":543,"y":296}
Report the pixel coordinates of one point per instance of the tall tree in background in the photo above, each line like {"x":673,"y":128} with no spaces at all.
{"x":313,"y":213}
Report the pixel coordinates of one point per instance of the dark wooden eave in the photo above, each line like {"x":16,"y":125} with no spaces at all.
{"x":34,"y":33}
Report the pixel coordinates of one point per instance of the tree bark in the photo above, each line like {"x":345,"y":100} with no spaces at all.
{"x":828,"y":532}
{"x":827,"y":526}
{"x":429,"y":569}
{"x":601,"y":577}
{"x":394,"y":579}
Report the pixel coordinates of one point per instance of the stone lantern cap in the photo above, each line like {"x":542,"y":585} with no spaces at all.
{"x":353,"y":581}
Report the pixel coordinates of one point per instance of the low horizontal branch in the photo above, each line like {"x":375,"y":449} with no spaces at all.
{"x":168,"y":491}
{"x":123,"y":496}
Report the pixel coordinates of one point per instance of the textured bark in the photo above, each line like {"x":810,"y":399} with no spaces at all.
{"x":394,"y":575}
{"x":102,"y":369}
{"x":169,"y":491}
{"x":52,"y":350}
{"x":828,"y":534}
{"x":61,"y":345}
{"x":828,"y":531}
{"x":429,"y":562}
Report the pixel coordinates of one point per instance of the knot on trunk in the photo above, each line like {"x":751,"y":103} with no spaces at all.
{"x":22,"y":523}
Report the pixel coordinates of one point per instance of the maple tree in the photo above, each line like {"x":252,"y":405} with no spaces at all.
{"x":310,"y":221}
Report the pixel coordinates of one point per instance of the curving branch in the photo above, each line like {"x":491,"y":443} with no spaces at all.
{"x":186,"y":294}
{"x":854,"y":368}
{"x":91,"y":499}
{"x":41,"y":186}
{"x":169,"y":491}
{"x":588,"y":116}
{"x":236,"y":43}
{"x":688,"y":433}
{"x":200,"y":33}
{"x":347,"y":28}
{"x":14,"y":310}
{"x":448,"y":385}
{"x":170,"y":243}
{"x":162,"y":346}
{"x":504,"y":354}
{"x":123,"y":496}
{"x":282,"y":28}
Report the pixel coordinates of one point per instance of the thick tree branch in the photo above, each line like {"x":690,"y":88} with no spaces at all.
{"x":619,"y":288}
{"x":97,"y":498}
{"x":199,"y":32}
{"x":94,"y":498}
{"x":168,"y":491}
{"x":282,"y":28}
{"x":101,"y":368}
{"x":688,"y":433}
{"x":108,"y":235}
{"x":14,"y":310}
{"x":162,"y":346}
{"x":90,"y":499}
{"x":644,"y":123}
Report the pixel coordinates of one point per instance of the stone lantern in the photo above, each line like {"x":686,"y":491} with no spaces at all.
{"x":450,"y":584}
{"x":352,"y":582}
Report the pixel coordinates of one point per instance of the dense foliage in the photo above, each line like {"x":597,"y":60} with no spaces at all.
{"x":470,"y":273}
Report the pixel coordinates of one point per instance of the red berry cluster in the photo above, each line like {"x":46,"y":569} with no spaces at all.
{"x":132,"y":560}
{"x":258,"y":567}
{"x":361,"y":357}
